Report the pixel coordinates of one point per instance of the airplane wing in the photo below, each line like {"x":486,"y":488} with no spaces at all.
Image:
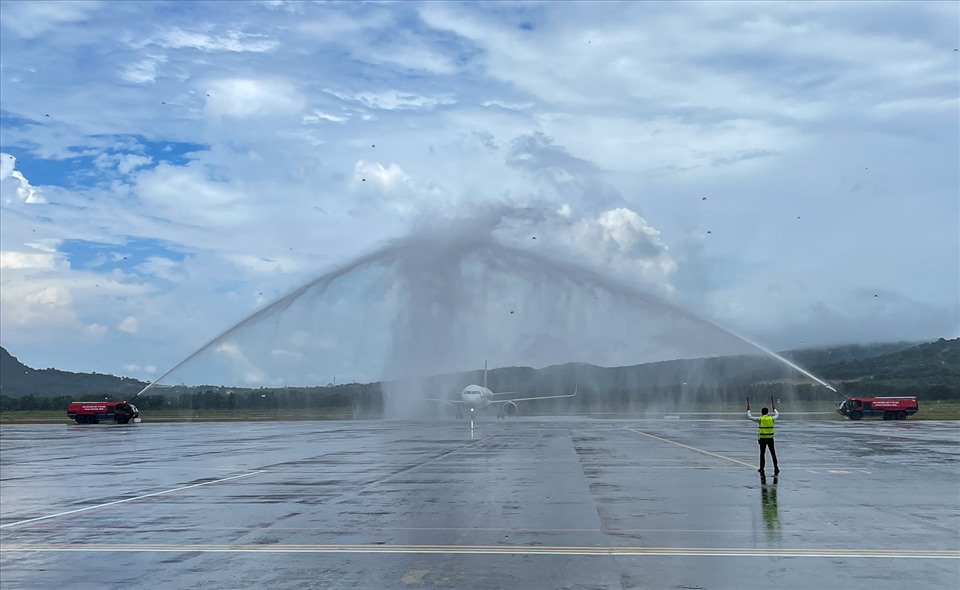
{"x":502,"y":392}
{"x":526,"y":399}
{"x":446,"y":401}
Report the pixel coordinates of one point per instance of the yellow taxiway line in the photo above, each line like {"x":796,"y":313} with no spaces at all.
{"x":821,"y":552}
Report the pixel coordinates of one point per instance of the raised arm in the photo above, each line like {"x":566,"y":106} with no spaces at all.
{"x":776,"y":414}
{"x":750,"y":417}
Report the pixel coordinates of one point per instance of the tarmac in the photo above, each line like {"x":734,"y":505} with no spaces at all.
{"x":517,"y":503}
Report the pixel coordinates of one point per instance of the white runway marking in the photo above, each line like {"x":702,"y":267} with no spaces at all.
{"x":164,"y":492}
{"x":717,"y":455}
{"x":497,"y":550}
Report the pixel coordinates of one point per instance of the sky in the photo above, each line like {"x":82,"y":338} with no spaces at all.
{"x":788,"y":170}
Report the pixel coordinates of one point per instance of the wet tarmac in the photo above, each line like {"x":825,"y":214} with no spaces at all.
{"x":525,"y":503}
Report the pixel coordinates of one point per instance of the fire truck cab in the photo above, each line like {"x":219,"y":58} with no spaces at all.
{"x":888,"y":408}
{"x":95,"y":412}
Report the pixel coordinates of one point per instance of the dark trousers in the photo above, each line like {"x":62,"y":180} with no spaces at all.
{"x":766,"y":443}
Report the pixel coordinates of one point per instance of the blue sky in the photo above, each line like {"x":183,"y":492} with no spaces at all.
{"x":169,"y":168}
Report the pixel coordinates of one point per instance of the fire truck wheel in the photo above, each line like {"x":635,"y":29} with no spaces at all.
{"x":79,"y":419}
{"x":889,"y":415}
{"x":901,"y":415}
{"x":856,"y":415}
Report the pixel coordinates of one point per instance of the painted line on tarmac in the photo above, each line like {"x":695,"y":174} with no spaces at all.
{"x":494,"y":550}
{"x":125,"y":500}
{"x":717,"y":455}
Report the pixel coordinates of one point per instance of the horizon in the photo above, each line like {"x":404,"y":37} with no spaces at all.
{"x":459,"y":373}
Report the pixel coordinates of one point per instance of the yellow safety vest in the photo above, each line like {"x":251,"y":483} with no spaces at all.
{"x":766,"y":426}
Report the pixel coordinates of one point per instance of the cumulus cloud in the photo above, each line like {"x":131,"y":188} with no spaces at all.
{"x":14,"y":187}
{"x":37,"y":303}
{"x":622,"y":241}
{"x":27,"y":260}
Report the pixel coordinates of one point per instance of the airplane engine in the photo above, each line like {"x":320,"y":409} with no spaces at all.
{"x":508,"y":409}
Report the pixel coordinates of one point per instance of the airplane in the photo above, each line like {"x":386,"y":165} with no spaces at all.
{"x":479,"y":397}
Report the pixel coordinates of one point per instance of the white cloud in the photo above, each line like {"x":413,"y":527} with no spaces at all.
{"x":44,"y":245}
{"x":130,"y":162}
{"x":130,"y":325}
{"x":249,"y":372}
{"x":14,"y":187}
{"x":623,"y":242}
{"x":243,"y":98}
{"x":318,"y":116}
{"x":34,"y":303}
{"x":410,"y":52}
{"x":184,"y":194}
{"x":26,"y":260}
{"x":143,"y":71}
{"x":376,"y":174}
{"x":162,"y":268}
{"x":392,"y":100}
{"x":32,"y":19}
{"x":234,"y":41}
{"x":511,"y":106}
{"x":124,"y":163}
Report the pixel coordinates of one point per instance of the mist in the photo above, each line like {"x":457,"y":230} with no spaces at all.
{"x":446,"y":299}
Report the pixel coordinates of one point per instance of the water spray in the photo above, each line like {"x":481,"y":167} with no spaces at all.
{"x":431,"y":265}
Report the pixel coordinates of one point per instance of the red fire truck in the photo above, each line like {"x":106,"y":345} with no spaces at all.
{"x":95,"y":412}
{"x":888,"y":408}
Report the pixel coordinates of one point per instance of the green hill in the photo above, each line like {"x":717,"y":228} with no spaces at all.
{"x":931,"y":370}
{"x":17,"y":379}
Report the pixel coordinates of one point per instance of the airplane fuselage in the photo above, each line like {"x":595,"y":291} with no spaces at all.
{"x":476,"y":397}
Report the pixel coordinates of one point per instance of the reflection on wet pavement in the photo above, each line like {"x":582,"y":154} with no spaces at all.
{"x":538,"y":503}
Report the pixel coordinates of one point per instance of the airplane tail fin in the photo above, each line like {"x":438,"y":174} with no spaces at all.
{"x":485,"y":374}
